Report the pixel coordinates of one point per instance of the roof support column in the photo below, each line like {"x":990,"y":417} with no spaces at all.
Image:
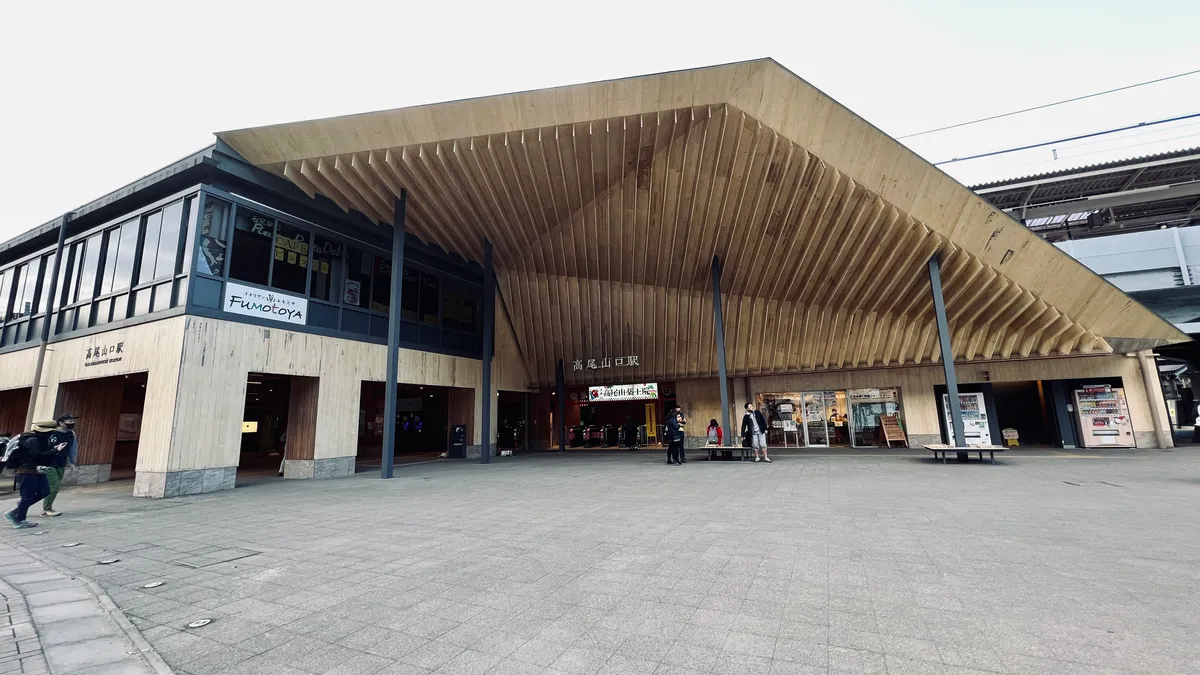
{"x":560,"y":399}
{"x":939,"y":309}
{"x":489,"y":337}
{"x":719,"y":324}
{"x":393,"y":357}
{"x":49,"y":319}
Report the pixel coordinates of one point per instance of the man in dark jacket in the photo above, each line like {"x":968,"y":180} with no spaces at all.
{"x":682,"y":453}
{"x":29,"y":461}
{"x":65,"y":433}
{"x":754,"y":433}
{"x":673,"y":432}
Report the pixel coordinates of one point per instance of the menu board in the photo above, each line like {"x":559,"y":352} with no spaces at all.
{"x":892,"y":431}
{"x":1103,"y":417}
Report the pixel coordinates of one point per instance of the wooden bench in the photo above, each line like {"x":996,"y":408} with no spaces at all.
{"x":728,"y":451}
{"x":963,"y":452}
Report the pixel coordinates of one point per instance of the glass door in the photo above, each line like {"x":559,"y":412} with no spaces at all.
{"x":836,"y":407}
{"x":816,"y":431}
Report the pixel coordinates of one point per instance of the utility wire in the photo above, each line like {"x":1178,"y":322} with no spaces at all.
{"x":1050,"y":105}
{"x":1065,"y":140}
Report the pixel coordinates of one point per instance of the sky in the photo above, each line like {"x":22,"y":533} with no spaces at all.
{"x":96,"y":95}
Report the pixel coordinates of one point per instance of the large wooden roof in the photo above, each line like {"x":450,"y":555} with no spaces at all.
{"x":606,"y":202}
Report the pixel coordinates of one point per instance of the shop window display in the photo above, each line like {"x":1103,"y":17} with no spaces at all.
{"x":867,"y":409}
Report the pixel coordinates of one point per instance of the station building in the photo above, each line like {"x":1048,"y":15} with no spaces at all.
{"x":542,"y":265}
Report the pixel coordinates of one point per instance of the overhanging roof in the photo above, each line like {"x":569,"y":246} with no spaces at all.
{"x":606,"y":202}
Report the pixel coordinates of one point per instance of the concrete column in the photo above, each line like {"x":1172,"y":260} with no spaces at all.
{"x":1154,"y":397}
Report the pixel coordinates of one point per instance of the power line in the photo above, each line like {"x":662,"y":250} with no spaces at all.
{"x":1049,"y":105}
{"x":1068,"y":139}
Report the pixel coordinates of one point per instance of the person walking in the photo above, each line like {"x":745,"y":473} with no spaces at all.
{"x":754,"y":433}
{"x":30,"y":461}
{"x":65,"y":433}
{"x":629,"y":434}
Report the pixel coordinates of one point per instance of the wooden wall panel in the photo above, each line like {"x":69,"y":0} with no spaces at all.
{"x":302,"y":417}
{"x":217,"y":356}
{"x":152,"y":348}
{"x":13,"y":405}
{"x":461,"y":410}
{"x":508,"y":365}
{"x":97,"y":404}
{"x":16,"y":370}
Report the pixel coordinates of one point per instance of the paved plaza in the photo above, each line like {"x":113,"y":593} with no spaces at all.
{"x":587,"y":563}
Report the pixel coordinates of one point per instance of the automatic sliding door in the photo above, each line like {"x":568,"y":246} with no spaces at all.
{"x":816,"y":431}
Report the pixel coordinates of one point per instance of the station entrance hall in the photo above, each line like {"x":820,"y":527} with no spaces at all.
{"x":329,"y":296}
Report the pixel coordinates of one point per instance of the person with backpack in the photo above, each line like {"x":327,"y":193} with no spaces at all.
{"x":65,"y":433}
{"x":716,"y":437}
{"x":754,"y":432}
{"x":32,"y":457}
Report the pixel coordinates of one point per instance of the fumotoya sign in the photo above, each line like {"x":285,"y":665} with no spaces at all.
{"x":250,"y":301}
{"x":624,"y":392}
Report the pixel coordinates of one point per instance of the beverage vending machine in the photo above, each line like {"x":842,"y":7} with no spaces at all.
{"x":1103,"y":417}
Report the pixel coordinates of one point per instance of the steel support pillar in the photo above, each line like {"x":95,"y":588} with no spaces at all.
{"x":393,"y":357}
{"x":50,"y":317}
{"x":719,"y":324}
{"x":489,"y":338}
{"x":943,"y":327}
{"x":560,"y":398}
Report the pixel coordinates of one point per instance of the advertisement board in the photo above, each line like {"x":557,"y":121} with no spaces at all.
{"x":251,"y":301}
{"x":623,"y":392}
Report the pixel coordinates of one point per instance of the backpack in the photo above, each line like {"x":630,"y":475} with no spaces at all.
{"x":12,"y":453}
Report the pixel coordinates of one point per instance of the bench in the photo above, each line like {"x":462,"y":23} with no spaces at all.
{"x":728,"y":451}
{"x":963,"y":452}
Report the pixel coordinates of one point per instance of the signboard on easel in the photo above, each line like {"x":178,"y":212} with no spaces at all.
{"x":892,"y":431}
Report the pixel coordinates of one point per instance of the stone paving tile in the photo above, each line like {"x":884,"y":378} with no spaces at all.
{"x":573,"y":564}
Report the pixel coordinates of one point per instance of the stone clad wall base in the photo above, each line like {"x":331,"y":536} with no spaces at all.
{"x":87,"y":474}
{"x":329,"y":467}
{"x":474,"y":451}
{"x":921,"y":440}
{"x":159,"y":484}
{"x":1145,"y":439}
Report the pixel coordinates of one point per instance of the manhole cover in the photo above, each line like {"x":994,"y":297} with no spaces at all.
{"x":199,"y":623}
{"x":109,"y":561}
{"x":154,"y":584}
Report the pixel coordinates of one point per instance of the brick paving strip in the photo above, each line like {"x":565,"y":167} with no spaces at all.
{"x":58,"y":622}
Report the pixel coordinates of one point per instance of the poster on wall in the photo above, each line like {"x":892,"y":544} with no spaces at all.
{"x":264,"y":304}
{"x":353,"y":293}
{"x":129,"y":426}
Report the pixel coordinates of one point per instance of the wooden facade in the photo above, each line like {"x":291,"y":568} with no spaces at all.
{"x":606,"y":202}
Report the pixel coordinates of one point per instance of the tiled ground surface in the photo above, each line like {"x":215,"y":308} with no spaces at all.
{"x":619,"y":564}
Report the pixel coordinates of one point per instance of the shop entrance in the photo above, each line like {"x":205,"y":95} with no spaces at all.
{"x":422,"y":423}
{"x":264,"y":424}
{"x":13,"y":405}
{"x":1023,"y":407}
{"x":511,"y":424}
{"x":108,"y":429}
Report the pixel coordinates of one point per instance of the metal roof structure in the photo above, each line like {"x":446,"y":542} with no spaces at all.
{"x":1123,"y":195}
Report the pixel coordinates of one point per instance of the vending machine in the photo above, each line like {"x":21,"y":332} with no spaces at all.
{"x":975,"y":419}
{"x":1103,"y":417}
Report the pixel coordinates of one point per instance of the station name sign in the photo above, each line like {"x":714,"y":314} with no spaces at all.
{"x":250,"y":301}
{"x":606,"y":362}
{"x":624,"y":392}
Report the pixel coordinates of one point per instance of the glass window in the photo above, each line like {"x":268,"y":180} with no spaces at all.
{"x":381,"y":284}
{"x":88,"y":268}
{"x":150,"y":246}
{"x":290,"y":267}
{"x":429,"y":298}
{"x":47,"y":272}
{"x":410,"y":295}
{"x":326,"y":269}
{"x":66,"y":272}
{"x":5,"y":281}
{"x":166,"y":258}
{"x":358,"y":279}
{"x":23,"y":287}
{"x":458,"y":309}
{"x":121,"y":252}
{"x":252,"y":235}
{"x":213,"y":231}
